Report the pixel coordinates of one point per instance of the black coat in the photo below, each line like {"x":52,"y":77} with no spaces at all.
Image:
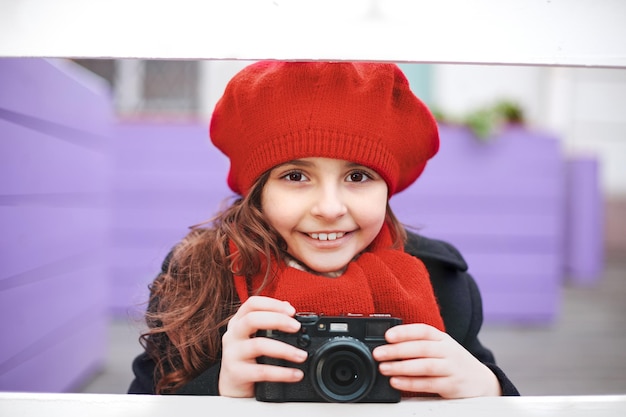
{"x":457,"y":294}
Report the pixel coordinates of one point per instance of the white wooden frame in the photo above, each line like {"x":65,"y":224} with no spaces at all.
{"x":509,"y":32}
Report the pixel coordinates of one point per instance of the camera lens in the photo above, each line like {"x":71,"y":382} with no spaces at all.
{"x":343,"y":370}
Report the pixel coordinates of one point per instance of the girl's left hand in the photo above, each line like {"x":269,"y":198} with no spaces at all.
{"x":421,"y":358}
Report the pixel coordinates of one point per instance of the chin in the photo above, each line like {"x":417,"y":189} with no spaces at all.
{"x":328,"y":268}
{"x":324,"y":264}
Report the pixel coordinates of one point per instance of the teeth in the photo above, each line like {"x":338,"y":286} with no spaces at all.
{"x":326,"y":236}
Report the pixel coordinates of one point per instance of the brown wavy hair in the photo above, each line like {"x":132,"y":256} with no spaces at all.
{"x":194,"y":297}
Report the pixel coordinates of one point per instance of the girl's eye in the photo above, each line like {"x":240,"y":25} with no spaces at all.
{"x":358,"y":176}
{"x":295,"y":176}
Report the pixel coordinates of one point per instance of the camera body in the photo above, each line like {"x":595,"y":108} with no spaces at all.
{"x":340,"y":366}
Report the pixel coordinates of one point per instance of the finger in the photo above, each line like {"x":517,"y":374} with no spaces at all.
{"x":269,"y":373}
{"x":414,"y":331}
{"x":247,"y":325}
{"x":238,"y":381}
{"x":240,"y":369}
{"x":415,"y":367}
{"x":431,"y":385}
{"x":409,"y":350}
{"x":263,"y":346}
{"x":261,"y":303}
{"x":268,"y":320}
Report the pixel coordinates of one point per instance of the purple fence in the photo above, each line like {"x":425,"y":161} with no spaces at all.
{"x":584,"y":227}
{"x":501,"y":204}
{"x":54,"y":130}
{"x":165,"y":178}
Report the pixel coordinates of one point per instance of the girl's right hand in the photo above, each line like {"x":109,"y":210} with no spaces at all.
{"x":240,"y":347}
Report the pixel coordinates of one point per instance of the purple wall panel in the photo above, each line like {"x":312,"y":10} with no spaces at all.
{"x":54,"y":125}
{"x":584,"y":238}
{"x":501,"y":204}
{"x":55,"y":291}
{"x":514,"y":164}
{"x":130,"y":286}
{"x":187,"y":147}
{"x":56,"y":91}
{"x":505,"y":306}
{"x":459,"y":142}
{"x":489,"y":222}
{"x":515,"y":269}
{"x":475,"y":183}
{"x":34,"y":161}
{"x":40,"y":235}
{"x":167,"y":177}
{"x":132,"y":269}
{"x":61,"y":366}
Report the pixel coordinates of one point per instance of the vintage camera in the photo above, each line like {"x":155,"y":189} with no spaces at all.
{"x":340,"y":366}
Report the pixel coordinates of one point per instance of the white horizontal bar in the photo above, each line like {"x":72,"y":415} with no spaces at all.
{"x":521,"y":32}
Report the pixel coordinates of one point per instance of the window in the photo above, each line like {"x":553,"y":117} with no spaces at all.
{"x":151,"y":88}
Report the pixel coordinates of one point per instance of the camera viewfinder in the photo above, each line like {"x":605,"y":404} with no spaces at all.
{"x":338,"y":327}
{"x":375,"y":330}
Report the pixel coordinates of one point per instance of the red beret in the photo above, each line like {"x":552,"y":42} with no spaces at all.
{"x":272,"y":112}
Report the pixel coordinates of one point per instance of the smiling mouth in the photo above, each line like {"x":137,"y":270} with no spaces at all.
{"x":326,"y":236}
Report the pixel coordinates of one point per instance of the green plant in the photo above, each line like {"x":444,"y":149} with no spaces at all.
{"x":486,"y":121}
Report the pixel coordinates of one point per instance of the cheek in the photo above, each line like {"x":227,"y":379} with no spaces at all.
{"x":278,"y":215}
{"x":372,"y":215}
{"x":380,"y":203}
{"x":378,"y":216}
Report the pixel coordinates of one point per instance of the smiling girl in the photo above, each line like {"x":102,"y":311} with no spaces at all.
{"x":316,"y":151}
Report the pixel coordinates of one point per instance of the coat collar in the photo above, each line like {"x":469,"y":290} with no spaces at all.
{"x":436,"y":250}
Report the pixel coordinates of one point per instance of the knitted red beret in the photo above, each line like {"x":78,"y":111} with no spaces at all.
{"x":273,"y":112}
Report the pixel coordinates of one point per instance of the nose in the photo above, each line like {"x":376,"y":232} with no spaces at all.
{"x":329,"y":202}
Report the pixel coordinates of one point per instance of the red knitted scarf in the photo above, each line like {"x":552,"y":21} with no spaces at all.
{"x":381,"y":280}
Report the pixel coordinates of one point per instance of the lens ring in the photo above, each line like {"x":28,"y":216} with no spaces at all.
{"x":343,"y":370}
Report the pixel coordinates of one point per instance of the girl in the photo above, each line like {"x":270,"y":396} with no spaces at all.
{"x":316,"y":151}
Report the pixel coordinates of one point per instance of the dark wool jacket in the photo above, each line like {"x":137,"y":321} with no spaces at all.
{"x":456,"y":291}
